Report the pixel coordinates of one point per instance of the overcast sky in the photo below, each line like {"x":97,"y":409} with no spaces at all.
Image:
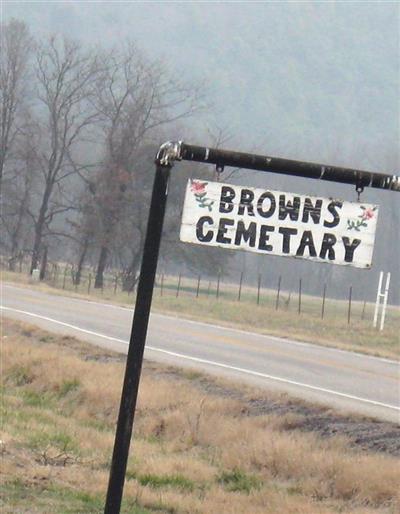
{"x":313,"y":80}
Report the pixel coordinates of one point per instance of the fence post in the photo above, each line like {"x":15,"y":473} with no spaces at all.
{"x":363,"y":310}
{"x":385,"y":299}
{"x":89,"y":283}
{"x":179,"y":285}
{"x":378,"y":299}
{"x":323,"y":302}
{"x":278,"y":292}
{"x":299,"y":307}
{"x":56,"y":275}
{"x":258,"y":288}
{"x":162,"y":284}
{"x":349,"y":308}
{"x":65,"y":277}
{"x":218,"y":281}
{"x":198,"y":286}
{"x":209,"y":288}
{"x":240,"y":286}
{"x":115,"y":285}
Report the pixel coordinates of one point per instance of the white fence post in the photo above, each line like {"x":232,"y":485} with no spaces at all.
{"x":381,"y":294}
{"x":378,"y":299}
{"x":385,"y":298}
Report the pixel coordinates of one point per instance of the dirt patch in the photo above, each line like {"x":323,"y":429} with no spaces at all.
{"x":362,"y":433}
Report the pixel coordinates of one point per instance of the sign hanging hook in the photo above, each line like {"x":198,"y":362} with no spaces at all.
{"x":359,"y":188}
{"x":219,"y":168}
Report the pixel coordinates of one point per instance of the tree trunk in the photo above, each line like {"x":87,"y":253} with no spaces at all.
{"x":11,"y":262}
{"x":39,"y":227}
{"x":98,"y":281}
{"x":129,"y":281}
{"x":43,"y":266}
{"x":36,"y":247}
{"x":130,"y":276}
{"x":14,"y":254}
{"x":81,"y":261}
{"x":16,"y":237}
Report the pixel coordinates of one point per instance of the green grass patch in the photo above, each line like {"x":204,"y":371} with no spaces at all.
{"x":68,"y":386}
{"x":35,"y":399}
{"x":160,"y":481}
{"x":17,"y":494}
{"x":238,"y":480}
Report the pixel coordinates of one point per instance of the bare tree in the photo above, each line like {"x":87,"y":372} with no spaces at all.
{"x":66,"y":76}
{"x":134,"y":98}
{"x":17,"y":201}
{"x":16,"y":45}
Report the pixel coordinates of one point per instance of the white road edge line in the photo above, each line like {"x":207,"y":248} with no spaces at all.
{"x":222,"y":327}
{"x":212,"y":363}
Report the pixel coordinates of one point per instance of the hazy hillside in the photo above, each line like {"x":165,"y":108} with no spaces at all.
{"x":318,"y":81}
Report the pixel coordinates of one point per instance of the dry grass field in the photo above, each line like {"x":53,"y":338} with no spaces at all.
{"x":195,"y":451}
{"x":333,"y":330}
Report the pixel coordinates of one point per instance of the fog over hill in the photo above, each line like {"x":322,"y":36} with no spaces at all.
{"x":313,"y":81}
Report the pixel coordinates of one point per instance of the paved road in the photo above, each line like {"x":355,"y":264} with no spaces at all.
{"x":344,"y":380}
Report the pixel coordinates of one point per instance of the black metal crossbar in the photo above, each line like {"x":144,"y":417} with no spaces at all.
{"x":219,"y":157}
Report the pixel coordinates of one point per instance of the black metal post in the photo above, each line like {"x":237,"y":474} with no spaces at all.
{"x":137,"y":340}
{"x":218,"y":282}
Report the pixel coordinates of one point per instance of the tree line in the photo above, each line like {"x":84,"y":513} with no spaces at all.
{"x":79,"y":131}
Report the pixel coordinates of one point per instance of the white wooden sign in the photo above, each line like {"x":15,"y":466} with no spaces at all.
{"x":279,"y":223}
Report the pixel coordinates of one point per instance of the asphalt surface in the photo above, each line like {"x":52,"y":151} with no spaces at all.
{"x":348,"y":381}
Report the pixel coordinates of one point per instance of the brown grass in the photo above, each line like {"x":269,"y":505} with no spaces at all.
{"x":193,"y":452}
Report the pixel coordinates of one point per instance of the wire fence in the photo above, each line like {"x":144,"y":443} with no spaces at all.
{"x":293,"y":300}
{"x":284,"y":296}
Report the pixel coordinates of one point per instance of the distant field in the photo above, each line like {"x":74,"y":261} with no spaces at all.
{"x":202,"y":445}
{"x":332,"y":330}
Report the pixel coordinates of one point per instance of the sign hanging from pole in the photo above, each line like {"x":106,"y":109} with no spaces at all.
{"x":279,"y":223}
{"x":207,"y":198}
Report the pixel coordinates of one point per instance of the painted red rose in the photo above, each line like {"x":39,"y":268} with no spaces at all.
{"x":368,"y":214}
{"x":198,"y":187}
